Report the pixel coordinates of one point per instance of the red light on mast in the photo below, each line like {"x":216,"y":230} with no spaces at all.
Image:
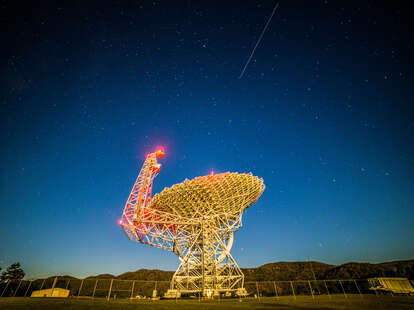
{"x":159,"y":153}
{"x":156,"y":168}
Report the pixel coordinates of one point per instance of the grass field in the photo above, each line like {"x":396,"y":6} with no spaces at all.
{"x":283,"y":303}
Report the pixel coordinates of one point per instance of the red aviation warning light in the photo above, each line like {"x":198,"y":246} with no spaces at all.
{"x":160,"y":153}
{"x":156,"y":168}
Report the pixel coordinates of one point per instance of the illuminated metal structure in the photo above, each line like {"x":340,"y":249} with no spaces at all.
{"x":196,"y":220}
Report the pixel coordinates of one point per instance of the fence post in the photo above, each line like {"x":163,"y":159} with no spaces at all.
{"x":43,"y":283}
{"x":274,"y":285}
{"x":27,"y":290}
{"x":358,"y":289}
{"x":94,"y":288}
{"x":110,"y":289}
{"x":54,"y":284}
{"x":18,"y":286}
{"x":7,"y":285}
{"x":257,"y":289}
{"x":293,"y":290}
{"x":324,"y":282}
{"x":311,"y":290}
{"x":80,"y":287}
{"x":340,"y":282}
{"x":132,"y":289}
{"x":67,"y":284}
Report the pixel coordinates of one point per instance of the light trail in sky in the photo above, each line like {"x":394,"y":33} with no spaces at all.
{"x":258,"y":41}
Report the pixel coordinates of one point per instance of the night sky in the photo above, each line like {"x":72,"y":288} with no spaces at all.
{"x":324,"y":113}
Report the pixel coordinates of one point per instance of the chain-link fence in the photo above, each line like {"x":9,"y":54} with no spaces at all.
{"x":107,"y":288}
{"x":308,"y":288}
{"x":113,"y":288}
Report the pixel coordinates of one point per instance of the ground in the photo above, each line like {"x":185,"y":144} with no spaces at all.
{"x":357,"y":302}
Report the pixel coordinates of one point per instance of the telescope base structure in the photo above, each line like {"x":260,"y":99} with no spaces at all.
{"x":208,"y":267}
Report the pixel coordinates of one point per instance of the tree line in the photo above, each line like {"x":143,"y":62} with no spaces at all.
{"x":13,"y":272}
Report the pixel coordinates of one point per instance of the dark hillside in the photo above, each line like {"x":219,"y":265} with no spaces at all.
{"x":148,"y":275}
{"x":365,"y":270}
{"x":285,"y":271}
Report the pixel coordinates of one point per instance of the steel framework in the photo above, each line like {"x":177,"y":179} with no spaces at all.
{"x":196,"y":220}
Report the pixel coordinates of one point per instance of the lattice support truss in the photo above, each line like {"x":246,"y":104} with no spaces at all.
{"x":136,"y":206}
{"x":208,"y":265}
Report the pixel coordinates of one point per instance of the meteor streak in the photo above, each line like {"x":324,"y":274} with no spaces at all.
{"x":258,"y":41}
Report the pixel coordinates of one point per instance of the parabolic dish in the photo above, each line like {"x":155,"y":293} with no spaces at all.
{"x":224,"y":193}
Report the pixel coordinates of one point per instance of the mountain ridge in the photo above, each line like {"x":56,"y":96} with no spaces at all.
{"x":287,"y":271}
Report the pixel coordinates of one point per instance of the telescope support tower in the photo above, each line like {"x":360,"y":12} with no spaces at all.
{"x":208,"y":267}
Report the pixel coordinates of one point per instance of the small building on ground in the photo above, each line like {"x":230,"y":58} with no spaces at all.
{"x":51,"y":292}
{"x":391,"y":285}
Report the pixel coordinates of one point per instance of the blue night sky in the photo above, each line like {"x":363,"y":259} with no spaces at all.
{"x":324,"y":113}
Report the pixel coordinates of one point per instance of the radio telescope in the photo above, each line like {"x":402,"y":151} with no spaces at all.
{"x":195,"y":219}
